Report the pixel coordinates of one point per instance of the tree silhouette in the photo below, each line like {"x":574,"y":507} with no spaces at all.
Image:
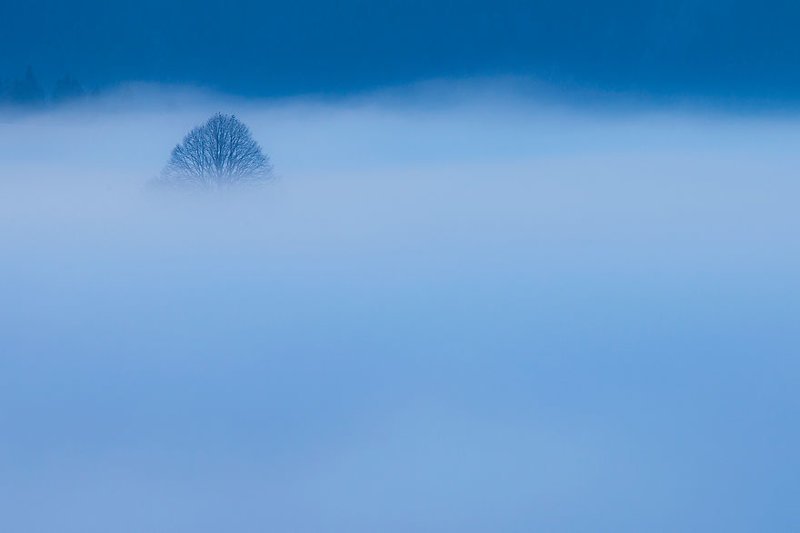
{"x":67,"y":88}
{"x":219,"y":154}
{"x":27,"y":91}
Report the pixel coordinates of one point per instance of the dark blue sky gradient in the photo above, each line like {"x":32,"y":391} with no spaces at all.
{"x":714,"y":49}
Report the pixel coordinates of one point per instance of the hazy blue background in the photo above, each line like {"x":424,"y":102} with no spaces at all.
{"x":525,"y":266}
{"x":725,"y":50}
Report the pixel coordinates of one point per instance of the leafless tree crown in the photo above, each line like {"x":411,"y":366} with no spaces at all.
{"x":218,"y":154}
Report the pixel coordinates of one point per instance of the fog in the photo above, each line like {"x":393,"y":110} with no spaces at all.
{"x":453,"y":309}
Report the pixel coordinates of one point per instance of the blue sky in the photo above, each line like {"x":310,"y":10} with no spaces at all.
{"x":724,"y":50}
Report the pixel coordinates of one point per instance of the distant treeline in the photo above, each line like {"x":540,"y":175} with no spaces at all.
{"x":27,"y":91}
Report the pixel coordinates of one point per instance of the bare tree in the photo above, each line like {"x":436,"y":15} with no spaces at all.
{"x":219,"y":154}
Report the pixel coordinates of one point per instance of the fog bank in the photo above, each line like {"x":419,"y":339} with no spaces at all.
{"x":486,"y":314}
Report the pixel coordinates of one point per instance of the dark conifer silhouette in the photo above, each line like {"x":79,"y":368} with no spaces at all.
{"x":66,"y":89}
{"x":27,"y":91}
